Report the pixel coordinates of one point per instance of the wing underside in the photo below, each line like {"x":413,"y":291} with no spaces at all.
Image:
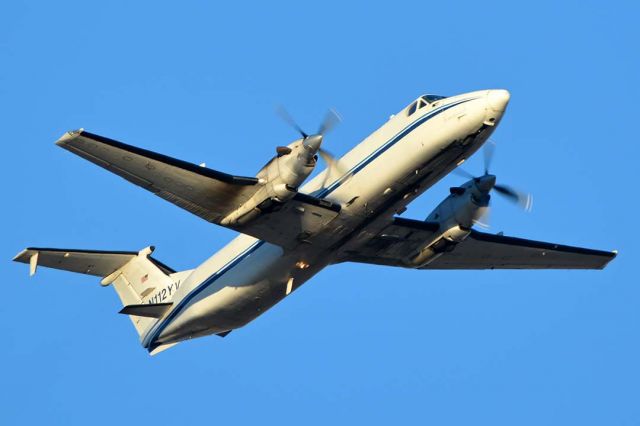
{"x":479,"y":250}
{"x":200,"y":190}
{"x":489,"y":251}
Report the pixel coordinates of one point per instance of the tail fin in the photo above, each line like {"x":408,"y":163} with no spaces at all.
{"x":138,"y":278}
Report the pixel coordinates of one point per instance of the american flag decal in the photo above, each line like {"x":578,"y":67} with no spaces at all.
{"x":144,"y":278}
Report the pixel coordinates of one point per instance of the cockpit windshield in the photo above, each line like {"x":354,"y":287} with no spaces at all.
{"x":422,"y":102}
{"x":432,"y":98}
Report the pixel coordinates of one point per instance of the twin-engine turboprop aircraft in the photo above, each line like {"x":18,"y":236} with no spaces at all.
{"x":290,"y":232}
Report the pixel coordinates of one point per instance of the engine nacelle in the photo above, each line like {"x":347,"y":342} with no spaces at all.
{"x":279,"y":179}
{"x":463,"y":207}
{"x":286,"y":172}
{"x":455,"y":215}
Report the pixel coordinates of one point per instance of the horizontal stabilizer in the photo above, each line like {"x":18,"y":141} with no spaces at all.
{"x":151,"y":310}
{"x":158,"y":349}
{"x":91,"y":262}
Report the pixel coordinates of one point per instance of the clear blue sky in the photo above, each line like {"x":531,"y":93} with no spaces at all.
{"x":358,"y":344}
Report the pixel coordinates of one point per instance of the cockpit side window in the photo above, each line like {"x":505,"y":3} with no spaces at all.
{"x":412,"y":108}
{"x":422,"y":103}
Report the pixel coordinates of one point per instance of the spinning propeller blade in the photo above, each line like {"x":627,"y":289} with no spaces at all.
{"x":330,"y":121}
{"x":488,"y":152}
{"x":463,"y":173}
{"x":333,"y":165}
{"x":287,"y":118}
{"x":484,"y":219}
{"x":523,"y":199}
{"x":486,"y":183}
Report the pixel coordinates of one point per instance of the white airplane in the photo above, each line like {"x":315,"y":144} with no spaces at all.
{"x":289,"y":232}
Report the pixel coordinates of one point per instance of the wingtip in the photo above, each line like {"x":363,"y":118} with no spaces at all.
{"x":18,"y":256}
{"x":70,"y":135}
{"x":612,"y":255}
{"x":28,"y":256}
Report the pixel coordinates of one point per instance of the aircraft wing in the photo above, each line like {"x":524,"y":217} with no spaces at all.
{"x":202,"y":191}
{"x":479,"y":250}
{"x":207,"y":193}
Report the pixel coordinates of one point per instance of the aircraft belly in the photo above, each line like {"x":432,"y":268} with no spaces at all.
{"x":229,"y":308}
{"x":244,"y":293}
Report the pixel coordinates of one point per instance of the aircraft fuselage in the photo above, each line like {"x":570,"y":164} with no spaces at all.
{"x":386,"y":171}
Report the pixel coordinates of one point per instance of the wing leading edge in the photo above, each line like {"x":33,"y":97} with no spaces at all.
{"x":478,"y":251}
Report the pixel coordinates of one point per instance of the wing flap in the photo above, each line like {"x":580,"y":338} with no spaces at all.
{"x":391,"y":244}
{"x":295,"y":222}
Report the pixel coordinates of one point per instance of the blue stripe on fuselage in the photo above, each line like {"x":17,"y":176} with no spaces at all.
{"x":156,"y":330}
{"x":391,"y":142}
{"x":161,"y":325}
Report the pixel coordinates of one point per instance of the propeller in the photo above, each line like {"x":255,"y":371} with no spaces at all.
{"x":484,"y":217}
{"x":487,"y":182}
{"x":287,"y":118}
{"x":330,"y":121}
{"x":523,"y":199}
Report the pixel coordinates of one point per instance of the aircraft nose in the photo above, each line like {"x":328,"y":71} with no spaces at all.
{"x":498,"y":99}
